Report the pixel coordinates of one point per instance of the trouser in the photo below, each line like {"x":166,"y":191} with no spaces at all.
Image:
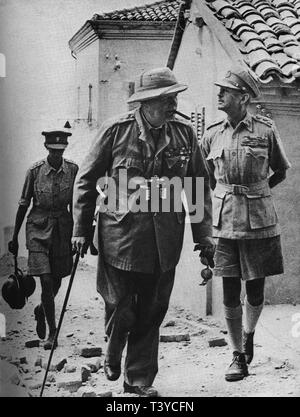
{"x":135,"y":306}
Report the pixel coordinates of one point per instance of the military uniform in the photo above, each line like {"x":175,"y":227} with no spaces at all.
{"x":239,"y":162}
{"x":49,"y":223}
{"x":138,"y":251}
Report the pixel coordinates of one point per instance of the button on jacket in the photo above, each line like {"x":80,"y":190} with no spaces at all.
{"x":51,"y":195}
{"x":134,"y":240}
{"x":239,"y":162}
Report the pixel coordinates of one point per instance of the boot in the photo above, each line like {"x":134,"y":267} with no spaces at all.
{"x":238,"y":369}
{"x":50,"y":341}
{"x":248,"y":346}
{"x":39,"y":316}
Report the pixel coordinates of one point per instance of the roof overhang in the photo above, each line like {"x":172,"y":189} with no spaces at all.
{"x":118,"y":29}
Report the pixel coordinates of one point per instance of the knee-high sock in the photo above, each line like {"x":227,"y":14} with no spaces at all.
{"x":252,"y":314}
{"x":233,"y":317}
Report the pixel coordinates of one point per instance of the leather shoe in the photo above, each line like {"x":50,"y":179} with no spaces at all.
{"x":238,"y":369}
{"x":112,"y":372}
{"x":142,"y":391}
{"x":248,"y":346}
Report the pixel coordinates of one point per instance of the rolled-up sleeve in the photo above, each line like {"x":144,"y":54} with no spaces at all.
{"x":27,"y":191}
{"x":277,"y":157}
{"x":94,"y":166}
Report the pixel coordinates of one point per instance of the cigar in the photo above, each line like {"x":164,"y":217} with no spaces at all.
{"x":182,"y":115}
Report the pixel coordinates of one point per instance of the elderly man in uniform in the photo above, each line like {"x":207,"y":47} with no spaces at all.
{"x":240,"y":151}
{"x":49,"y":186}
{"x":138,"y":251}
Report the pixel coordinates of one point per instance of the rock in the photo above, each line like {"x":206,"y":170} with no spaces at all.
{"x":23,"y":360}
{"x":175,"y":337}
{"x":70,"y":369}
{"x":89,"y":352}
{"x":217,"y":341}
{"x":70,"y":335}
{"x":59,"y":366}
{"x":52,"y":368}
{"x":70,"y":384}
{"x":85,"y":373}
{"x":94,"y":365}
{"x":38,"y":361}
{"x":51,"y":378}
{"x":104,"y":394}
{"x":11,"y":376}
{"x":15,"y":362}
{"x":35,"y":385}
{"x":86,"y":392}
{"x":224,"y":331}
{"x":91,"y":333}
{"x":32,"y":343}
{"x":170,"y":323}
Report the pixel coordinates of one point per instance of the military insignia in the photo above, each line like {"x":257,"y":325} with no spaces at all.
{"x":255,"y":141}
{"x":57,"y":138}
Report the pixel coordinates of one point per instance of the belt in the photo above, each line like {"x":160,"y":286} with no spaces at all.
{"x":257,"y":189}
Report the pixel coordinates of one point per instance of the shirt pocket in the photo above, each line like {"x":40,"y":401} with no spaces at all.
{"x":134,"y":171}
{"x":261,"y":211}
{"x":217,"y":206}
{"x":43,"y":194}
{"x":216,"y":155}
{"x":256,"y":162}
{"x":177,"y":161}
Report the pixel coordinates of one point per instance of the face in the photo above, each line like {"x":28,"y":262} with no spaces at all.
{"x":229,"y":100}
{"x":55,"y":154}
{"x":161,"y":109}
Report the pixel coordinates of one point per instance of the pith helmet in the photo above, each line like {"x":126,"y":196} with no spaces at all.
{"x":17,"y":288}
{"x":155,"y":83}
{"x":239,"y":78}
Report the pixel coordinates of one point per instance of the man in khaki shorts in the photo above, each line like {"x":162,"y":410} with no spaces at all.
{"x":240,"y":151}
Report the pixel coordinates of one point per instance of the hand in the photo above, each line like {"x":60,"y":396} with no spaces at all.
{"x":80,"y":244}
{"x":13,"y":247}
{"x":206,"y":253}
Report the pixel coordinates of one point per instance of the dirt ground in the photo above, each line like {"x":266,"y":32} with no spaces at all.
{"x":187,"y":368}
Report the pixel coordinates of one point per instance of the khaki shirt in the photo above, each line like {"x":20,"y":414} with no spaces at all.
{"x":243,"y":156}
{"x":50,"y":192}
{"x":136,"y":240}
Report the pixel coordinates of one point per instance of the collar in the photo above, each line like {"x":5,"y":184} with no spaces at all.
{"x":247,"y":121}
{"x":144,"y":125}
{"x":50,"y":168}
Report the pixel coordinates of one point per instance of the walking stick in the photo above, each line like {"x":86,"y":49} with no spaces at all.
{"x":61,"y":318}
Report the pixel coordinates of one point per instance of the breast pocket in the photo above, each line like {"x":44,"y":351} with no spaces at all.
{"x":132,"y":176}
{"x":217,"y":156}
{"x":43,"y":194}
{"x":177,"y":161}
{"x":256,"y":162}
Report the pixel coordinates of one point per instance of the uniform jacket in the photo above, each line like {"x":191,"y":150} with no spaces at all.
{"x":239,"y":162}
{"x":50,"y":192}
{"x":133,"y":240}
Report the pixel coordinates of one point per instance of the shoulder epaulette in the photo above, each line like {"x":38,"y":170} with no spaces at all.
{"x":263,"y":119}
{"x":37,"y":164}
{"x":216,"y":123}
{"x":70,"y":161}
{"x":177,"y":118}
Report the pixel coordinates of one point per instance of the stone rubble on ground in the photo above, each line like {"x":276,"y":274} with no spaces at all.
{"x":217,"y":342}
{"x":174,"y":337}
{"x":89,"y":352}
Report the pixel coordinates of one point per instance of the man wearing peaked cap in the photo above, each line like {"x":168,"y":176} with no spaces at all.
{"x":240,"y":79}
{"x":139,"y":250}
{"x":241,"y":151}
{"x":48,"y":188}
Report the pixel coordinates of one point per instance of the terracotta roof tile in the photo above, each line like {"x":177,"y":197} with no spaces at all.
{"x":163,"y":11}
{"x":267,"y":32}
